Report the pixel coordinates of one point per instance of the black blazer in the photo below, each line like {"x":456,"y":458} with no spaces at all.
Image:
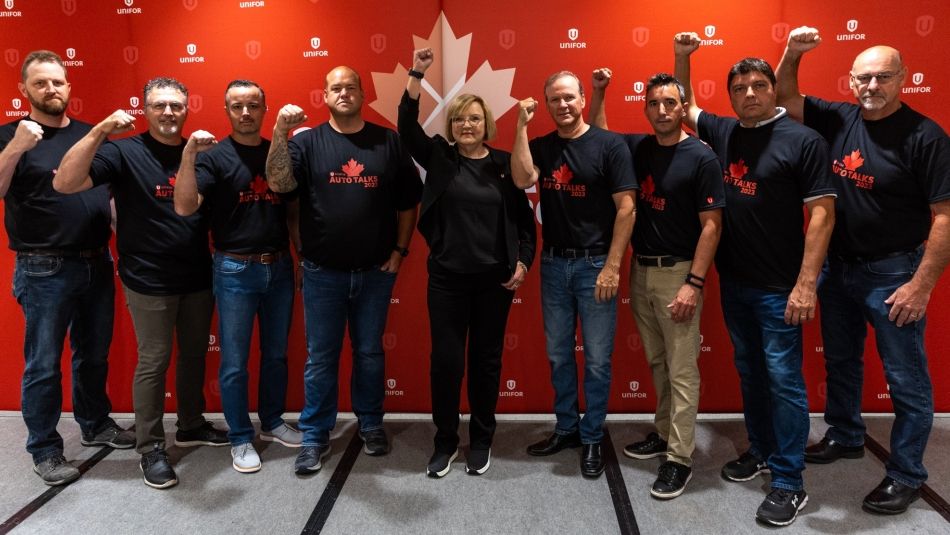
{"x":440,"y":159}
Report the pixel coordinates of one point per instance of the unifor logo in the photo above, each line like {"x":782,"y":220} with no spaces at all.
{"x":16,"y":103}
{"x":195,"y":102}
{"x":377,"y":42}
{"x":924,"y":25}
{"x":389,"y":341}
{"x":211,"y":340}
{"x":506,"y":39}
{"x":572,"y":34}
{"x":314,"y":43}
{"x":511,"y":341}
{"x":852,"y":25}
{"x":638,"y":87}
{"x":844,"y":85}
{"x":709,"y":30}
{"x":511,"y":384}
{"x":75,"y":106}
{"x":390,"y":383}
{"x":918,"y":78}
{"x":11,"y":56}
{"x":191,"y":48}
{"x":130,"y":54}
{"x":641,"y":35}
{"x":190,"y":5}
{"x":69,"y":7}
{"x":252,"y":49}
{"x":129,"y":3}
{"x":634,"y":386}
{"x":316,"y":98}
{"x":70,"y":53}
{"x":134,"y":102}
{"x":8,"y":4}
{"x":706,"y":89}
{"x":780,"y":32}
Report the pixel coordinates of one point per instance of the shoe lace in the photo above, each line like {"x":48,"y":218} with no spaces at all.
{"x":780,"y":496}
{"x":667,"y":472}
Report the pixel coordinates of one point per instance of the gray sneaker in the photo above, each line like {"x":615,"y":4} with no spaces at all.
{"x":286,"y":435}
{"x":244,"y":458}
{"x":112,"y":436}
{"x":56,"y":471}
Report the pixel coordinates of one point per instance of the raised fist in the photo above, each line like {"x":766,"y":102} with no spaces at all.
{"x":28,"y":135}
{"x":200,"y":141}
{"x":685,"y":43}
{"x":117,"y":123}
{"x":422,"y":59}
{"x":289,"y":117}
{"x":803,"y":39}
{"x":526,"y":110}
{"x":601,"y":78}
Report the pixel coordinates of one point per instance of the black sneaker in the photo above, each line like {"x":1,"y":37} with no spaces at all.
{"x":112,"y":436}
{"x":56,"y":471}
{"x":746,"y":467}
{"x":375,"y":442}
{"x":440,"y":463}
{"x":158,"y":474}
{"x":671,"y":480}
{"x":781,"y":506}
{"x":309,"y":459}
{"x":653,"y":446}
{"x":205,"y":435}
{"x":478,"y":462}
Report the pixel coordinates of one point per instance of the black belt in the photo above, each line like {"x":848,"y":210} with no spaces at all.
{"x":259,"y":258}
{"x":81,"y":253}
{"x":864,"y":259}
{"x":564,"y":252}
{"x":660,"y":261}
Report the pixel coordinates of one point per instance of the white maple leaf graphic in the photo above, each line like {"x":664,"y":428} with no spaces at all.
{"x":444,"y":80}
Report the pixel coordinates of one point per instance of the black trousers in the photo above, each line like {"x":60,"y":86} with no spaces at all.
{"x":466,"y":310}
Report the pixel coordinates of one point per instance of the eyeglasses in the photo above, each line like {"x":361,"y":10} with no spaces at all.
{"x":159,"y":107}
{"x":474,"y":120}
{"x":882,"y":77}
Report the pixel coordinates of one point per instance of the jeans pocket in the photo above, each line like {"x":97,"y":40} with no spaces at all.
{"x":898,"y":266}
{"x":597,"y":262}
{"x":223,"y":264}
{"x":41,"y":266}
{"x":309,"y":266}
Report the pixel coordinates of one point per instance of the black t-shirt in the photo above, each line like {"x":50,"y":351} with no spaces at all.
{"x":577,"y":180}
{"x":160,"y":252}
{"x":768,"y":172}
{"x":470,"y":212}
{"x":888,"y":173}
{"x":676,"y":183}
{"x":39,"y":217}
{"x":350,"y":188}
{"x":246,"y":216}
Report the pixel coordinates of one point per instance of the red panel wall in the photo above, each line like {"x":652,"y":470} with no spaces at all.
{"x":115,"y":46}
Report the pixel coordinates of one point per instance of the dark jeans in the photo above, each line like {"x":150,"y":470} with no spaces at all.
{"x":59,"y":294}
{"x":852,"y":295}
{"x":466,"y":310}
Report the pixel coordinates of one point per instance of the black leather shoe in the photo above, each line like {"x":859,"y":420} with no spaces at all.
{"x":592,"y":461}
{"x":890,"y":497}
{"x":828,"y":451}
{"x":554,"y":444}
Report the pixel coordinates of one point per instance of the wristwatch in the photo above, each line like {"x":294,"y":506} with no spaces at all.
{"x":403,"y":251}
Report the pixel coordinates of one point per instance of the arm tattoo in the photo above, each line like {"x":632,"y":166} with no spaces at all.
{"x":280,"y":173}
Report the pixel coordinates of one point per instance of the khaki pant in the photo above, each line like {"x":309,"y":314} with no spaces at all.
{"x":671,"y":350}
{"x":156,"y":319}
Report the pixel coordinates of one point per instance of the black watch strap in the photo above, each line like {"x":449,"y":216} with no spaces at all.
{"x":403,"y":251}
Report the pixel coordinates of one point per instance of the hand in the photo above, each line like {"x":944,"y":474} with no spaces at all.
{"x":683,"y":306}
{"x":526,"y":110}
{"x":517,"y":279}
{"x":289,"y":117}
{"x":803,"y":39}
{"x":392,"y":265}
{"x":908,"y":303}
{"x":608,"y":280}
{"x":200,"y":141}
{"x":601,"y":78}
{"x":422,"y":59}
{"x":685,"y":43}
{"x":28,"y":135}
{"x":117,"y":123}
{"x":801,"y":304}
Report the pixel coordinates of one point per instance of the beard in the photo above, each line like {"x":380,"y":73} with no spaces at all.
{"x":54,"y":106}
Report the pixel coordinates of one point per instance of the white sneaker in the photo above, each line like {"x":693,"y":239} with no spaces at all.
{"x":245,"y":458}
{"x":286,"y":435}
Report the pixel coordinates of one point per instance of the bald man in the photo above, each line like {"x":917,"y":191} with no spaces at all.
{"x":893,"y":166}
{"x":359,"y":192}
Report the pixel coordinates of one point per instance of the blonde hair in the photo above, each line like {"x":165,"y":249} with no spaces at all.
{"x":458,"y":105}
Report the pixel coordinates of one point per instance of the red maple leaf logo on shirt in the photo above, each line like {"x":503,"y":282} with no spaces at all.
{"x":259,"y":185}
{"x":352,"y":168}
{"x":647,"y":188}
{"x":854,"y":160}
{"x":171,"y":181}
{"x":738,"y":169}
{"x":563,"y":174}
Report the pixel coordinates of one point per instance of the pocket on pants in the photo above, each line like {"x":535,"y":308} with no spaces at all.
{"x":224,"y":264}
{"x":40,"y":266}
{"x":898,"y":266}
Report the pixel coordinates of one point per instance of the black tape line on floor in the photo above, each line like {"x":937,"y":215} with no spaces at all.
{"x":18,"y":517}
{"x":928,"y":494}
{"x":321,"y":512}
{"x":618,"y":489}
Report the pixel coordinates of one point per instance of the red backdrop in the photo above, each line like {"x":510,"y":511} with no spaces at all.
{"x":500,"y":49}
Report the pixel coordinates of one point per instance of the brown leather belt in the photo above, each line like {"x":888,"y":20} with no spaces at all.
{"x":258,"y":258}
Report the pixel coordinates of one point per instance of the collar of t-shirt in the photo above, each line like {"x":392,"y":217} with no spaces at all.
{"x":779,"y":113}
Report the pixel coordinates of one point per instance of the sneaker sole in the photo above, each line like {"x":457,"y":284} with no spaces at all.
{"x":478,"y":471}
{"x":193,"y":443}
{"x":750,"y":478}
{"x":95,"y":444}
{"x":883,"y":511}
{"x":274,"y":438}
{"x":670,"y":495}
{"x":643,"y":456}
{"x":165,"y":485}
{"x":373,"y":453}
{"x":302,"y":471}
{"x":823,"y":460}
{"x":65,"y":481}
{"x":786,"y":522}
{"x":246,"y":470}
{"x":446,"y":470}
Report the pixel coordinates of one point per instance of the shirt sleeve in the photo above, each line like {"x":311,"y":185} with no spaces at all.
{"x":710,"y":192}
{"x":106,"y":165}
{"x":932,"y":163}
{"x":299,"y":156}
{"x":619,"y":165}
{"x":408,"y":180}
{"x":815,"y":176}
{"x":205,"y":173}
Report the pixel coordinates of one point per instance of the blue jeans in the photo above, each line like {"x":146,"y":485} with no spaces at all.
{"x":768,"y":356}
{"x":332,"y":301}
{"x":244,"y":289}
{"x":59,"y":293}
{"x":852,"y":295}
{"x":567,"y":291}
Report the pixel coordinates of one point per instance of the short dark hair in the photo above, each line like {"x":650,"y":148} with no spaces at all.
{"x":162,"y":82}
{"x":562,"y":74}
{"x":748,"y":65}
{"x":662,"y":79}
{"x":40,"y":56}
{"x":243,"y":83}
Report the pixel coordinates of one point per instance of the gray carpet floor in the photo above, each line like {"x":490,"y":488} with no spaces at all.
{"x":519,"y":494}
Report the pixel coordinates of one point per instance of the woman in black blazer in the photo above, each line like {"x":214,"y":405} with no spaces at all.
{"x":481,"y":236}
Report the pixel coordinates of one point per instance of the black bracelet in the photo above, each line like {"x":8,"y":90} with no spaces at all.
{"x":416,"y":74}
{"x":694,"y":285}
{"x":695,"y":277}
{"x":692,"y":281}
